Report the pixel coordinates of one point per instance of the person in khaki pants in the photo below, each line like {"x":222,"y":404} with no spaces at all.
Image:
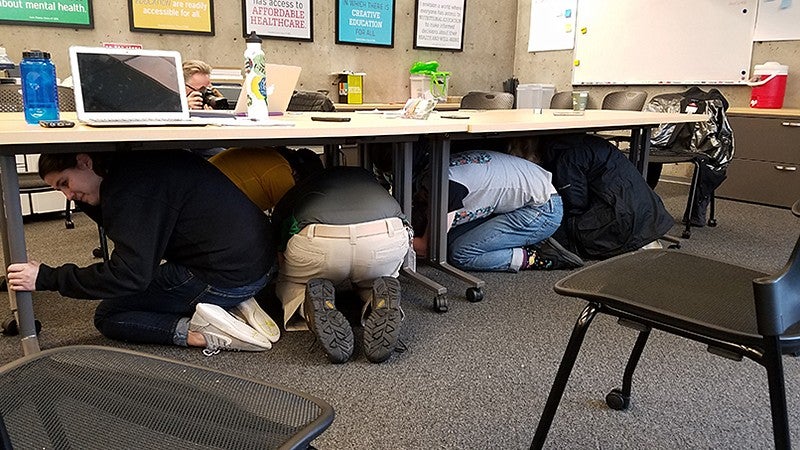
{"x":340,"y":228}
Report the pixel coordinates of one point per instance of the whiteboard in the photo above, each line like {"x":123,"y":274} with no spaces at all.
{"x":649,"y":42}
{"x":777,"y":21}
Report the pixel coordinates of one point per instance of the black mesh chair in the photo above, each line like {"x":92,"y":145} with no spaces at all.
{"x":487,"y":100}
{"x":561,"y":100}
{"x":736,"y":311}
{"x":87,"y":397}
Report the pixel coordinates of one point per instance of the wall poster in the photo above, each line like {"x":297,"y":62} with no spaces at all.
{"x":172,"y":16}
{"x":439,"y":24}
{"x":365,"y":22}
{"x":280,"y":19}
{"x":54,"y":13}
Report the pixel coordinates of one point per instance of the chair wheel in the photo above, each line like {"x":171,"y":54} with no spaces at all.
{"x":97,"y":252}
{"x":69,"y":224}
{"x":440,"y":303}
{"x":712,"y":222}
{"x":686,"y":234}
{"x":676,"y":246}
{"x":474,"y":294}
{"x":10,"y":327}
{"x":617,"y":400}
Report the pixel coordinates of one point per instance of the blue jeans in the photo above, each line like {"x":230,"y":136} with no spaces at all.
{"x":151,"y":316}
{"x":489,"y":244}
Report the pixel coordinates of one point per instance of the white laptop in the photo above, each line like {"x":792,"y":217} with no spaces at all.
{"x":281,"y":81}
{"x":131,"y":87}
{"x":128,"y":87}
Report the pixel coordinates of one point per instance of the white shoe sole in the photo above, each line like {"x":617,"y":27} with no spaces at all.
{"x":227,"y":324}
{"x":257,"y":318}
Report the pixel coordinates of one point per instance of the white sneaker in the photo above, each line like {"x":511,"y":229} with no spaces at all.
{"x":223,"y":332}
{"x":251,"y":313}
{"x":653,"y":245}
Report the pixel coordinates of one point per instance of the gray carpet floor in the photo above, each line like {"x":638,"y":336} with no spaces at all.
{"x":477,"y":376}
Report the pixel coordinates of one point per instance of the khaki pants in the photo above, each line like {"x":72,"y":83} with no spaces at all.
{"x":357,"y":253}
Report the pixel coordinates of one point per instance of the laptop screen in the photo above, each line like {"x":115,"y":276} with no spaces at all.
{"x":113,"y":83}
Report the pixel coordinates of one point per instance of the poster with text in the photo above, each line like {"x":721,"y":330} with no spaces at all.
{"x":172,"y":16}
{"x":55,"y":13}
{"x":365,"y":22}
{"x":439,"y":24}
{"x":281,"y":19}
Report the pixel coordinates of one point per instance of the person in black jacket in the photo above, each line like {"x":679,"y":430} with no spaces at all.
{"x":190,"y":249}
{"x":608,"y":207}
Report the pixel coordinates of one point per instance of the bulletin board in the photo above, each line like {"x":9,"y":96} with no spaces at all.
{"x":651,"y":42}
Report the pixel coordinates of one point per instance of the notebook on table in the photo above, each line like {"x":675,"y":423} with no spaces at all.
{"x":135,"y":87}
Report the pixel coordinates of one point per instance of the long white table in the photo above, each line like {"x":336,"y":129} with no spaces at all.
{"x":16,"y":137}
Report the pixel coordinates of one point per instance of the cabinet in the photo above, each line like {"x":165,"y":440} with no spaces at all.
{"x":766,"y":161}
{"x":39,"y":202}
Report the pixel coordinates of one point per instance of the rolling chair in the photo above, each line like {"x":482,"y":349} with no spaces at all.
{"x":624,"y":100}
{"x":714,"y":133}
{"x":487,"y":100}
{"x":317,"y":101}
{"x":561,"y":100}
{"x":310,"y":101}
{"x":92,"y":397}
{"x":736,"y":311}
{"x":29,"y":182}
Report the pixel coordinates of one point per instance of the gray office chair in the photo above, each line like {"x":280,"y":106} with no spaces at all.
{"x":736,"y":311}
{"x":310,"y":101}
{"x":487,"y":100}
{"x":89,"y":397}
{"x":30,"y":183}
{"x":624,"y":100}
{"x":561,"y":100}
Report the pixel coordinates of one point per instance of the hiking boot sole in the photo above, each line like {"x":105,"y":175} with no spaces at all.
{"x":382,"y":327}
{"x":327,"y":323}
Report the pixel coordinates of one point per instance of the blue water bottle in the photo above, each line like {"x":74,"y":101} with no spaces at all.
{"x":39,"y":90}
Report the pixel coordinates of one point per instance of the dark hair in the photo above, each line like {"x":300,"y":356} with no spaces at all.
{"x":304,"y":162}
{"x":57,"y":162}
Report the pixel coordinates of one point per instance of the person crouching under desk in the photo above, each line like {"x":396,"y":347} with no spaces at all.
{"x":336,"y":228}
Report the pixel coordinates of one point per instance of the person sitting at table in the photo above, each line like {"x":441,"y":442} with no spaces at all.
{"x":608,"y":207}
{"x":502,"y":210}
{"x":335,"y":229}
{"x":190,"y":251}
{"x":200,"y":94}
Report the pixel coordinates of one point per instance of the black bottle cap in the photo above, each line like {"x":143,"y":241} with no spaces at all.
{"x":36,"y":54}
{"x":253,"y":38}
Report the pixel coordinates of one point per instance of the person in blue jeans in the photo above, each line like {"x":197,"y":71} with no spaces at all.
{"x":502,"y":210}
{"x":190,"y":250}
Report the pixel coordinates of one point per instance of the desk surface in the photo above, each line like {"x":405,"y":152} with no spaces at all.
{"x":15,"y":132}
{"x":764,"y":112}
{"x":510,"y":120}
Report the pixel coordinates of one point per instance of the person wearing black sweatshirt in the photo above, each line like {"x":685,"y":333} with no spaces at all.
{"x":190,"y":250}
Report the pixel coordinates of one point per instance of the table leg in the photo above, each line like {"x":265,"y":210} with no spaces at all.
{"x":403,"y":157}
{"x":14,"y":241}
{"x":640,"y":149}
{"x":437,"y":251}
